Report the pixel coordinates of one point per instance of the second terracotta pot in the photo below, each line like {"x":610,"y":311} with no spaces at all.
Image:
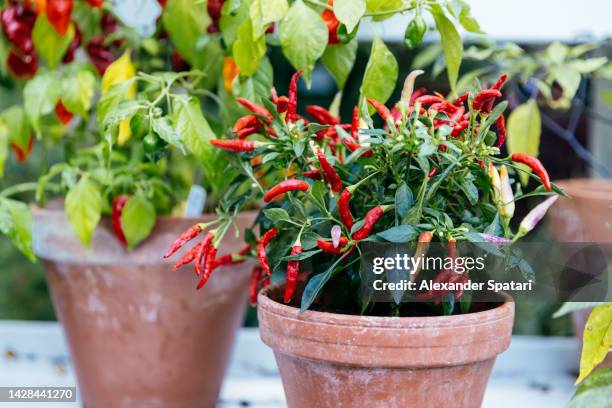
{"x":334,"y":360}
{"x":139,"y":334}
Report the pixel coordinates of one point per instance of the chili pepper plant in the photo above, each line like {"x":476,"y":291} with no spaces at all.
{"x":432,"y":172}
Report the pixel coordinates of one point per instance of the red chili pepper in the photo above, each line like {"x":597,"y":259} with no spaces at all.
{"x":201,"y":258}
{"x":344,"y":208}
{"x":63,"y":114}
{"x":21,"y":154}
{"x":382,"y":110}
{"x":209,"y":266}
{"x":370,"y":221}
{"x":118,"y":205}
{"x":261,"y":249}
{"x":22,"y":66}
{"x":332,"y":24}
{"x":484,"y":98}
{"x":185,"y":237}
{"x":292,"y":104}
{"x":282,"y":105}
{"x":322,"y":115}
{"x":461,"y":99}
{"x":254,"y":285}
{"x":329,"y":174}
{"x":460,"y":127}
{"x":421,"y":250}
{"x":234,"y":145}
{"x":246,"y":132}
{"x":98,"y":3}
{"x":536,"y":166}
{"x":428,"y":99}
{"x":313,"y":174}
{"x":100,"y":55}
{"x":248,"y":121}
{"x":214,"y":8}
{"x":355,"y":124}
{"x":500,"y":82}
{"x":59,"y":13}
{"x":352,"y":146}
{"x":189,"y":256}
{"x":501,"y":128}
{"x":328,"y":247}
{"x":432,"y":172}
{"x":285,"y":186}
{"x":255,"y":108}
{"x":417,"y":94}
{"x":17,"y":23}
{"x":293,"y":271}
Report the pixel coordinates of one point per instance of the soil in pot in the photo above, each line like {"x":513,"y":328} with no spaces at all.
{"x":140,"y":335}
{"x":339,"y":360}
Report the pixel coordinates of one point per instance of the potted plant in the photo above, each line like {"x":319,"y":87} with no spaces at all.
{"x":119,"y":195}
{"x":432,"y":173}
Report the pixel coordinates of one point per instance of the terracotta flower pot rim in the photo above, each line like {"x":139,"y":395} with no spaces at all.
{"x":587,"y":187}
{"x":277,"y":308}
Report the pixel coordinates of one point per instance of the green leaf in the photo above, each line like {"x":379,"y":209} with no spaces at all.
{"x":381,"y":9}
{"x":524,"y":130}
{"x":381,"y":73}
{"x":569,"y":307}
{"x":49,"y":44}
{"x":16,"y":224}
{"x":4,"y":145}
{"x":465,"y":18}
{"x":78,"y":91}
{"x":84,"y":208}
{"x":600,"y":397}
{"x":339,"y":60}
{"x":137,"y":220}
{"x":248,"y":52}
{"x":16,"y":125}
{"x":233,"y":14}
{"x":316,"y":283}
{"x":404,"y":200}
{"x":256,"y":87}
{"x":451,"y":44}
{"x":303,"y":36}
{"x":349,"y":12}
{"x":166,"y":132}
{"x":264,"y":12}
{"x":276,"y":215}
{"x":40,"y":95}
{"x":415,"y":31}
{"x":470,"y":190}
{"x":602,"y":377}
{"x":185,"y":21}
{"x":597,"y":339}
{"x":400,"y":234}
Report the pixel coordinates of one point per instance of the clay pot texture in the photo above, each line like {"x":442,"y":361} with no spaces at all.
{"x":335,"y":360}
{"x":139,"y":334}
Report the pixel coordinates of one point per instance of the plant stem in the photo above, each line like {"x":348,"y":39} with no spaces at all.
{"x":25,"y":188}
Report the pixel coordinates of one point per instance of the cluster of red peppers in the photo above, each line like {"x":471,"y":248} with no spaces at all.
{"x":17,"y":24}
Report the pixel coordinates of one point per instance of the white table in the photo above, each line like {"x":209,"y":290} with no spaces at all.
{"x":535,"y":372}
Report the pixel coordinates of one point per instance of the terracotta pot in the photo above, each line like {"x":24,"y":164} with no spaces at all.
{"x":334,"y":360}
{"x":140,"y":335}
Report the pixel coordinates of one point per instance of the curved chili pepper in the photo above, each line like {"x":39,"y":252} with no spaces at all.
{"x":23,"y":154}
{"x":369,"y":223}
{"x":329,"y":174}
{"x":235,"y":146}
{"x":332,"y":24}
{"x":355,"y":124}
{"x":261,"y":249}
{"x":352,"y":146}
{"x":501,"y":127}
{"x":209,"y":266}
{"x":428,"y":99}
{"x":285,"y":186}
{"x":344,"y":208}
{"x":382,"y":110}
{"x":201,"y":258}
{"x":484,"y":98}
{"x":313,"y":174}
{"x":461,"y":99}
{"x":244,"y":122}
{"x":322,"y":115}
{"x":255,"y":108}
{"x":189,"y":256}
{"x":535,"y":165}
{"x":63,"y":114}
{"x":292,"y":273}
{"x":432,"y":172}
{"x":500,"y":82}
{"x":292,"y":104}
{"x":246,"y":132}
{"x":59,"y":13}
{"x":118,"y":205}
{"x":185,"y":237}
{"x":254,"y":284}
{"x":328,"y":247}
{"x":460,"y":127}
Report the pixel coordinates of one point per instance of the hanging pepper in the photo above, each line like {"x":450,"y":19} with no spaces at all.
{"x":59,"y":13}
{"x":185,"y":237}
{"x":329,"y":248}
{"x":201,"y":258}
{"x":332,"y":23}
{"x":63,"y":114}
{"x":501,"y":128}
{"x":21,"y":153}
{"x":369,"y":223}
{"x":293,"y":271}
{"x":484,"y":98}
{"x":209,"y":266}
{"x":292,"y":104}
{"x":189,"y":256}
{"x":322,"y":115}
{"x":382,"y":110}
{"x":285,"y":186}
{"x":236,"y":146}
{"x":536,"y":166}
{"x":329,"y":174}
{"x":344,"y":209}
{"x":117,"y":210}
{"x":261,"y":249}
{"x":244,"y":122}
{"x":255,"y":108}
{"x":254,"y":284}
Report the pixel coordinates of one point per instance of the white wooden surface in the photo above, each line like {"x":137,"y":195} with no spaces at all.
{"x":536,"y":372}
